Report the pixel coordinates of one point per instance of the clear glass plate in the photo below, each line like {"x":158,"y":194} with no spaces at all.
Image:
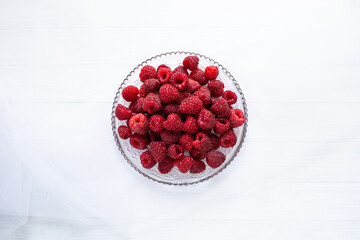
{"x":175,"y":177}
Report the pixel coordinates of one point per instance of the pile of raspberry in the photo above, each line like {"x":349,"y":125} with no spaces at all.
{"x":178,"y":118}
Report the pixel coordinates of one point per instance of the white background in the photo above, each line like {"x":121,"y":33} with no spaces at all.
{"x":297,"y":62}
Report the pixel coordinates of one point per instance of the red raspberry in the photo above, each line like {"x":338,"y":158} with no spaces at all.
{"x":182,"y":96}
{"x":215,"y":158}
{"x":179,"y":80}
{"x":152,"y":103}
{"x":151,"y":85}
{"x":221,"y":108}
{"x":214,"y":141}
{"x":191,"y":105}
{"x":130,"y":93}
{"x":122,"y":113}
{"x":191,"y":62}
{"x":181,"y":69}
{"x":190,"y":125}
{"x":230,"y":97}
{"x":228,"y":139}
{"x":142,"y":91}
{"x":204,"y":94}
{"x":192,"y":86}
{"x":139,"y":141}
{"x":186,"y":141}
{"x":136,"y":107}
{"x":166,"y":165}
{"x":124,"y":132}
{"x":139,"y":123}
{"x":221,"y":125}
{"x":184,"y":164}
{"x":158,"y":150}
{"x":168,"y":93}
{"x":206,"y":119}
{"x":199,"y":76}
{"x":161,"y":66}
{"x":175,"y":151}
{"x":173,"y":123}
{"x":169,"y":137}
{"x":172,"y":108}
{"x":211,"y":72}
{"x":236,"y":118}
{"x":197,"y":166}
{"x":216,"y":88}
{"x":156,"y":123}
{"x":147,"y":161}
{"x":155,"y":136}
{"x":164,"y":74}
{"x":196,"y":154}
{"x":202,"y":142}
{"x":147,"y":72}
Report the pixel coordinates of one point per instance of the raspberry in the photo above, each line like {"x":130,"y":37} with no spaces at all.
{"x":197,"y":166}
{"x":179,"y":80}
{"x":165,"y":166}
{"x":147,"y":72}
{"x":168,"y":93}
{"x":204,"y":94}
{"x":230,"y":97}
{"x":155,"y":123}
{"x":175,"y":151}
{"x":206,"y":119}
{"x":158,"y":150}
{"x":169,"y":137}
{"x":181,"y":69}
{"x":191,"y":105}
{"x":211,"y":72}
{"x":151,"y":85}
{"x":184,"y":164}
{"x":147,"y":161}
{"x":152,"y":103}
{"x":155,"y":136}
{"x":186,"y":141}
{"x":142,"y":91}
{"x":214,"y":141}
{"x":196,"y":154}
{"x":199,"y":76}
{"x":221,"y":125}
{"x":182,"y":96}
{"x":164,"y":74}
{"x":192,"y":86}
{"x":139,"y":123}
{"x":216,"y":88}
{"x":202,"y":142}
{"x":236,"y":118}
{"x":161,"y":66}
{"x":215,"y":158}
{"x":191,"y":62}
{"x":136,"y":107}
{"x":124,"y":132}
{"x":139,"y":141}
{"x":221,"y":108}
{"x":172,"y":108}
{"x":190,"y":125}
{"x":228,"y":139}
{"x":122,"y":113}
{"x":130,"y":93}
{"x":173,"y":123}
{"x":133,"y":107}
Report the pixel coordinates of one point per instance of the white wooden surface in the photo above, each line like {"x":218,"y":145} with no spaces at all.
{"x":298,"y":63}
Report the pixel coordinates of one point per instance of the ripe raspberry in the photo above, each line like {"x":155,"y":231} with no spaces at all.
{"x":182,"y":96}
{"x":215,"y":158}
{"x":151,"y":85}
{"x":124,"y":132}
{"x":221,"y":108}
{"x":204,"y":94}
{"x":191,"y":105}
{"x":175,"y":151}
{"x":122,"y":113}
{"x":236,"y":118}
{"x":164,"y":74}
{"x":169,"y":137}
{"x":161,"y":66}
{"x":186,"y":141}
{"x":147,"y":72}
{"x":156,"y":123}
{"x":139,"y":141}
{"x":142,"y":91}
{"x":214,"y":141}
{"x":197,"y":166}
{"x":192,"y":86}
{"x":216,"y":88}
{"x":230,"y":97}
{"x":154,"y":136}
{"x":199,"y":76}
{"x":152,"y":103}
{"x":221,"y":125}
{"x":202,"y":142}
{"x":211,"y":72}
{"x":147,"y":161}
{"x":196,"y":154}
{"x":191,"y":62}
{"x":173,"y":123}
{"x":172,"y":108}
{"x":181,"y":69}
{"x":190,"y":125}
{"x":168,"y":93}
{"x":130,"y":93}
{"x":158,"y":150}
{"x":136,"y":107}
{"x":184,"y":164}
{"x":139,"y":123}
{"x":166,"y":165}
{"x":228,"y":139}
{"x":179,"y":80}
{"x":206,"y":119}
